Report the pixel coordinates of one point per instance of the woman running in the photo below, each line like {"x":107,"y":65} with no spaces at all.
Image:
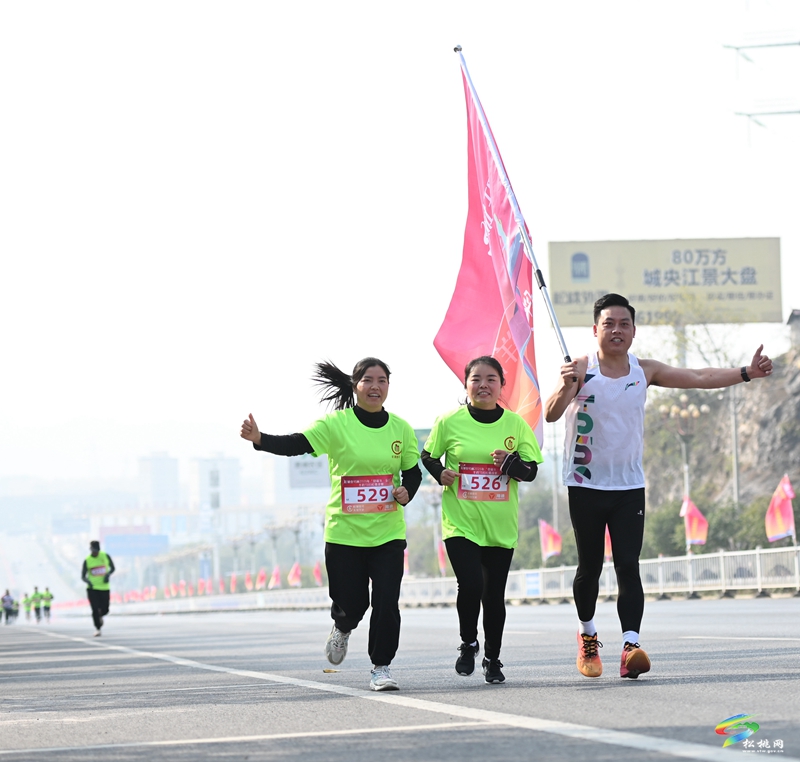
{"x":372,"y":457}
{"x":487,"y":451}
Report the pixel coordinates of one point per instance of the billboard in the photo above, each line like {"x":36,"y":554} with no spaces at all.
{"x":136,"y":544}
{"x":671,"y":282}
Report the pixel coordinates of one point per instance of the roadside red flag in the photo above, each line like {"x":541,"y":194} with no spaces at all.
{"x":275,"y":579}
{"x":294,"y":577}
{"x":779,"y":521}
{"x":442,"y":559}
{"x":607,"y":550}
{"x":550,"y":539}
{"x":318,"y":574}
{"x":694,"y":522}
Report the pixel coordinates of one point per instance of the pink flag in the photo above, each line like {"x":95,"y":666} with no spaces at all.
{"x":491,"y":311}
{"x":550,"y":539}
{"x":318,"y":574}
{"x":248,"y":581}
{"x":233,"y":582}
{"x":779,"y":520}
{"x":261,"y":580}
{"x":607,"y":550}
{"x":294,"y":577}
{"x":405,"y":561}
{"x":275,"y":579}
{"x":442,"y":559}
{"x":694,"y":522}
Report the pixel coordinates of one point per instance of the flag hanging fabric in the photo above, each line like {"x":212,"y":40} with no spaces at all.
{"x":294,"y":577}
{"x":607,"y":549}
{"x":275,"y":579}
{"x":694,"y":523}
{"x":550,"y":540}
{"x":491,"y":310}
{"x":248,"y":581}
{"x":318,"y":574}
{"x":405,"y":561}
{"x":261,"y":579}
{"x":779,"y":521}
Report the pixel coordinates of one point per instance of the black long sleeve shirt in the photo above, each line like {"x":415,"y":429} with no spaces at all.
{"x":298,"y":444}
{"x":514,"y":466}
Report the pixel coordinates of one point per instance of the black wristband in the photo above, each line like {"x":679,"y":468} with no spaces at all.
{"x":745,"y":377}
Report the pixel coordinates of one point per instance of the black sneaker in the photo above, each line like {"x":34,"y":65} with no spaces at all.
{"x":491,"y":671}
{"x":465,"y":664}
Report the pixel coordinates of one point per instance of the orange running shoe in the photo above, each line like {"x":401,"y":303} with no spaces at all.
{"x":588,"y":661}
{"x":634,"y":661}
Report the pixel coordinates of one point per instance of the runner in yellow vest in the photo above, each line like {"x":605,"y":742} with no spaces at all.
{"x":27,"y":602}
{"x":36,"y":600}
{"x":97,"y":568}
{"x":47,"y":598}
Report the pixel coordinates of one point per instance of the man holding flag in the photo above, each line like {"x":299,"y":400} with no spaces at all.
{"x":603,"y":396}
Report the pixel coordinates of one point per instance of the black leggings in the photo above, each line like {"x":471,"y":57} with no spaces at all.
{"x":481,"y":573}
{"x":623,"y":511}
{"x":350,"y":569}
{"x":99,"y":600}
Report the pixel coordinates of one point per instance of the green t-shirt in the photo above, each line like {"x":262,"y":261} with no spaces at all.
{"x":47,"y":598}
{"x":369,"y":516}
{"x":36,"y":600}
{"x":96,"y":569}
{"x":487,"y":512}
{"x":26,"y":603}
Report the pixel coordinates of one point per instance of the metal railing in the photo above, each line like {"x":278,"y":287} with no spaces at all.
{"x":759,"y":571}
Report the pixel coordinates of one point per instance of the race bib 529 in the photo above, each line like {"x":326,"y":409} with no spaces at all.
{"x":368,"y":494}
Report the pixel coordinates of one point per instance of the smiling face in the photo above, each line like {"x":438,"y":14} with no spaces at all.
{"x":615,"y":331}
{"x":372,"y":389}
{"x":484,"y":386}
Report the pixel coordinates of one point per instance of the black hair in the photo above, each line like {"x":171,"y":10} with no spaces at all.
{"x":485,"y":360}
{"x":94,"y":544}
{"x":613,"y":300}
{"x":336,"y":386}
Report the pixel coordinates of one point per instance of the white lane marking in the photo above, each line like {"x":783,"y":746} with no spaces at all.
{"x":667,"y":746}
{"x":732,"y":637}
{"x":246,"y":739}
{"x":93,"y":694}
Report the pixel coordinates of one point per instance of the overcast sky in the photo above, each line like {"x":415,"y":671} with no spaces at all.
{"x":198,"y":200}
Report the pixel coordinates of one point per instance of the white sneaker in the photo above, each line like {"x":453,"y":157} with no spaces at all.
{"x":382,"y":680}
{"x":336,"y":646}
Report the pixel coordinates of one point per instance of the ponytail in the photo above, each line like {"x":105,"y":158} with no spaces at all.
{"x":336,"y":386}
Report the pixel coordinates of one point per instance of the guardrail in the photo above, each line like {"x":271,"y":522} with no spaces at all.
{"x":759,"y":571}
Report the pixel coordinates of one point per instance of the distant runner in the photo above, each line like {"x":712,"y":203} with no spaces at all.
{"x":97,"y":568}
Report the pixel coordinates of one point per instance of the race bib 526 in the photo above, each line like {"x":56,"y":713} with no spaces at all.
{"x":483,"y":482}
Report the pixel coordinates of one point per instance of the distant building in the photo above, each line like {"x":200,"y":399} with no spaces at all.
{"x":794,"y":328}
{"x":158,"y":482}
{"x":215,"y":483}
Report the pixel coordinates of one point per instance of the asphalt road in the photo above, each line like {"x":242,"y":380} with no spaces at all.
{"x":251,"y":686}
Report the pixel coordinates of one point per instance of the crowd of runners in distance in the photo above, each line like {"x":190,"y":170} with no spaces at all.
{"x":37,"y":602}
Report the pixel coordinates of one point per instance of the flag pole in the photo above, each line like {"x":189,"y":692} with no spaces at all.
{"x":515,"y":206}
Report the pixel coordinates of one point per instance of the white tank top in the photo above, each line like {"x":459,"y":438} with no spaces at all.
{"x":605,"y":430}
